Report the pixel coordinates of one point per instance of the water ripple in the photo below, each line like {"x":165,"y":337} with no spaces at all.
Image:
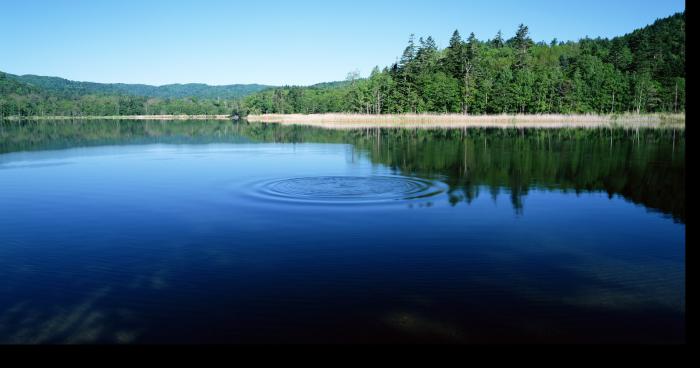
{"x":348,"y":189}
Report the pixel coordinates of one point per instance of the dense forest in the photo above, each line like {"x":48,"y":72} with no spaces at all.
{"x":641,"y":72}
{"x":31,"y":95}
{"x":68,"y":88}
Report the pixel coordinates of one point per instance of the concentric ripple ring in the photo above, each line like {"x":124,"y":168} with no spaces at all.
{"x":349,"y":189}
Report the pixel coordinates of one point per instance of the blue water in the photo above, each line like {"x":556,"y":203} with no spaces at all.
{"x":316,"y":242}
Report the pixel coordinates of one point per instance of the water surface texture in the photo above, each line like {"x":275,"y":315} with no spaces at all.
{"x":220,"y":232}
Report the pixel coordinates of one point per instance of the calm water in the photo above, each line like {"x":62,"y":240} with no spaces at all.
{"x":162,"y":232}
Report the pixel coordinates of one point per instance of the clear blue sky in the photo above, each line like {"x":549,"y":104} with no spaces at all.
{"x":274,"y":42}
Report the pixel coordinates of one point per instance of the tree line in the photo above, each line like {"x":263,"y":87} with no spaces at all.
{"x":640,"y":72}
{"x":22,"y":99}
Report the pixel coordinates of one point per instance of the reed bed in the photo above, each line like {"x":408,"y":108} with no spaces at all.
{"x":447,"y":121}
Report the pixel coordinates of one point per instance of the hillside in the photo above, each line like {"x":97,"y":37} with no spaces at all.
{"x":49,"y":96}
{"x":11,"y":86}
{"x":67,"y":88}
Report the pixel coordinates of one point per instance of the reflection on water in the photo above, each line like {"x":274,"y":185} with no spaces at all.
{"x":128,"y":232}
{"x":632,"y":163}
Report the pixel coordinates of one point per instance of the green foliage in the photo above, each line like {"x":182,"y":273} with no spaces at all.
{"x":49,"y":96}
{"x":68,"y":88}
{"x":22,"y":99}
{"x":640,"y":72}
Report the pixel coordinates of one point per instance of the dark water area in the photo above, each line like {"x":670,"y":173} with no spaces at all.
{"x":221,"y":232}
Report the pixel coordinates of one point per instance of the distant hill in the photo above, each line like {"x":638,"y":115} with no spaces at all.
{"x":67,"y":88}
{"x":12,"y":86}
{"x":330,"y":85}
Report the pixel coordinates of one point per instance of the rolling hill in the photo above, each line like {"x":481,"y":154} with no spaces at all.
{"x":68,"y":88}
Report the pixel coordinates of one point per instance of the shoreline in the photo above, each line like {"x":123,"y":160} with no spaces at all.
{"x":458,"y":121}
{"x":426,"y":121}
{"x":122,"y":117}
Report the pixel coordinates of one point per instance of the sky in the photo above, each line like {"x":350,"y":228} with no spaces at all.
{"x":275,"y":42}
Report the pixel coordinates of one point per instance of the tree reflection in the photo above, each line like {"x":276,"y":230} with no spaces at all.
{"x":644,"y":166}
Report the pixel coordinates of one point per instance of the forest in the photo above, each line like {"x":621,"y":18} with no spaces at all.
{"x":641,"y":72}
{"x":32,"y":95}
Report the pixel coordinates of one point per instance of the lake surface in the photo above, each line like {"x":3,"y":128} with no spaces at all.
{"x":220,"y":232}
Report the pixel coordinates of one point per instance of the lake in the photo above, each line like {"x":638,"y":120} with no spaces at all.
{"x":222,"y":232}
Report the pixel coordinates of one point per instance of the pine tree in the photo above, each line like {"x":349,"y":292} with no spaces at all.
{"x":409,"y":52}
{"x":469,"y":72}
{"x":521,"y":43}
{"x":497,"y":41}
{"x":454,"y":56}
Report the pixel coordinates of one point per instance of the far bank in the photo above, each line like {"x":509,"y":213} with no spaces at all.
{"x":432,"y":121}
{"x":457,"y":121}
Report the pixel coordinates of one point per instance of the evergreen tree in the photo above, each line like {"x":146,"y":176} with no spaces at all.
{"x":454,"y":56}
{"x":409,"y":53}
{"x":521,"y":43}
{"x":497,"y":41}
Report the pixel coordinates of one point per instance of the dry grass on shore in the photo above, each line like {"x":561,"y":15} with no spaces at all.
{"x":361,"y":121}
